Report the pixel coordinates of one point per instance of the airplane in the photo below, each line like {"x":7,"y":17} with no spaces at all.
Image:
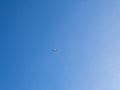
{"x":54,"y":50}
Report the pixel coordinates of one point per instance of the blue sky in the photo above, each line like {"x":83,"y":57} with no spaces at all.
{"x":86,"y":33}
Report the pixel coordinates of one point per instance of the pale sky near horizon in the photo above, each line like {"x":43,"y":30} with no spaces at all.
{"x":85,"y":32}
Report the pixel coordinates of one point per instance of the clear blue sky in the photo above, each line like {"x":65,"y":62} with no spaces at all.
{"x":86,"y":33}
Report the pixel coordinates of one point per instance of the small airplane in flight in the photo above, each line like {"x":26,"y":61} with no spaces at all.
{"x":54,"y":50}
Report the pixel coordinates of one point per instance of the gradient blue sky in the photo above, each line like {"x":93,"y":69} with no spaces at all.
{"x":86,"y":33}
